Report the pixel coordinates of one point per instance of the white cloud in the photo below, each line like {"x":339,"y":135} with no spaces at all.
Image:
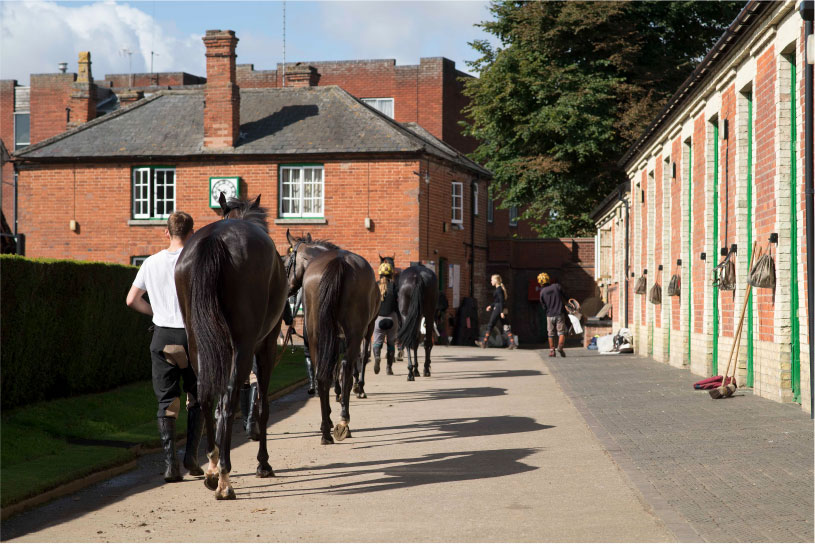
{"x":35,"y":36}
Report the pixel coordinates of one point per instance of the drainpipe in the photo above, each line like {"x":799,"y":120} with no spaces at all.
{"x":621,"y":196}
{"x":807,"y":13}
{"x":473,"y":185}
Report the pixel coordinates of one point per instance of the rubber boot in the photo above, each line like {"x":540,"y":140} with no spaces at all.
{"x":389,"y":369}
{"x":166,"y":430}
{"x":195,"y":427}
{"x":252,"y":426}
{"x":312,"y":381}
{"x":377,"y":357}
{"x":244,"y":401}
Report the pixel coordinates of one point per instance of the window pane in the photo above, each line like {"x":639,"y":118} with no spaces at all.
{"x":22,"y":130}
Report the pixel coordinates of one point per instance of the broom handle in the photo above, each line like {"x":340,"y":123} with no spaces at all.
{"x":737,"y":336}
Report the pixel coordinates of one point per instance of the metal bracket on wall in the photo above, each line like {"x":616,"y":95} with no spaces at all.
{"x":774,"y":238}
{"x":659,"y":267}
{"x":679,"y":262}
{"x":703,"y":256}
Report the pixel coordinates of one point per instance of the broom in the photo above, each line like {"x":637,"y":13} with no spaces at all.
{"x":728,"y":388}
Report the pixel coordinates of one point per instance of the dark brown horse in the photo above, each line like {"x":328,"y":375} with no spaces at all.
{"x":341,"y":296}
{"x":418,"y":294}
{"x":231,"y":287}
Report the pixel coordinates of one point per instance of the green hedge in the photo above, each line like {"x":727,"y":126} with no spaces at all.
{"x":65,"y":329}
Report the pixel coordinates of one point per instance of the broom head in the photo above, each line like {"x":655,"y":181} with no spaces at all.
{"x":718,"y":392}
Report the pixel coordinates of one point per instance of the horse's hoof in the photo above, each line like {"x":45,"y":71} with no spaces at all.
{"x":227,"y":494}
{"x":426,"y":373}
{"x":416,"y":371}
{"x":410,"y":376}
{"x":310,"y":392}
{"x":389,"y":371}
{"x":362,"y":395}
{"x":326,"y":440}
{"x":355,"y":389}
{"x":264,"y":471}
{"x":211,"y":481}
{"x":341,"y":431}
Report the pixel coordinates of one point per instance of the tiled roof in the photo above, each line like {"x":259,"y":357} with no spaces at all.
{"x":279,"y":121}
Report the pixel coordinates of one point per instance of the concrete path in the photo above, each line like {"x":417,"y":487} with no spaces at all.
{"x":487,"y":449}
{"x":729,"y":470}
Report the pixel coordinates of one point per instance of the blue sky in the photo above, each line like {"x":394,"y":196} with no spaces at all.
{"x":36,"y":35}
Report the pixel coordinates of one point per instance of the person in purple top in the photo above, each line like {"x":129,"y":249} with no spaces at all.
{"x":552,"y":298}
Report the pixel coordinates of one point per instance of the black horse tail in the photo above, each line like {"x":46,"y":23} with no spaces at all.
{"x":329,"y":301}
{"x":409,"y":332}
{"x":212,"y":336}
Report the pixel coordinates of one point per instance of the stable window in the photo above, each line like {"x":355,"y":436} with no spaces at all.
{"x":301,"y":191}
{"x":513,"y":216}
{"x":385,"y":105}
{"x":153,"y":192}
{"x":457,"y":217}
{"x":22,"y":130}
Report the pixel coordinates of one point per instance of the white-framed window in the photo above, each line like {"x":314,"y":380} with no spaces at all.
{"x":490,"y":207}
{"x":385,"y":105}
{"x":457,"y":212}
{"x":475,"y":198}
{"x":513,"y":216}
{"x":22,"y":129}
{"x":301,"y":191}
{"x":153,"y":192}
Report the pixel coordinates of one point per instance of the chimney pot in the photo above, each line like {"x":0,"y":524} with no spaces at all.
{"x":82,"y":102}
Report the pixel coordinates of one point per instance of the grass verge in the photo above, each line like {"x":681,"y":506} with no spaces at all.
{"x":50,"y":443}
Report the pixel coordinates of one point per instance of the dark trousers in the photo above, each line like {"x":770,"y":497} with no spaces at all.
{"x":495,"y":319}
{"x":166,"y":376}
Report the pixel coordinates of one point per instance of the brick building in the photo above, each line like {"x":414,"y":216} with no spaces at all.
{"x":721,"y":167}
{"x":322,"y":160}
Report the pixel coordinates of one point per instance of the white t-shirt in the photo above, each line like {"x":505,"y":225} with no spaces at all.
{"x":157,"y":277}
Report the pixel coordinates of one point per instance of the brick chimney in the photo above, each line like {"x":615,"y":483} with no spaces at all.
{"x":302,"y":75}
{"x":222,"y":99}
{"x":82,"y":102}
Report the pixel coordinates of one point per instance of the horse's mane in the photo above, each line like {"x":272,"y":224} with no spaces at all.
{"x":324,"y":243}
{"x":242,"y":209}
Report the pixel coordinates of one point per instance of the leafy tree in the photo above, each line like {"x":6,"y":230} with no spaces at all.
{"x":570,"y":88}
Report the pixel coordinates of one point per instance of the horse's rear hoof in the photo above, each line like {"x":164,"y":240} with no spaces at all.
{"x":410,"y":376}
{"x":264,"y":471}
{"x":416,"y":371}
{"x":211,"y":481}
{"x":226,"y":495}
{"x":426,"y":373}
{"x":341,"y":431}
{"x":326,"y":440}
{"x":362,"y":395}
{"x":355,"y":389}
{"x":389,"y":371}
{"x":310,"y":392}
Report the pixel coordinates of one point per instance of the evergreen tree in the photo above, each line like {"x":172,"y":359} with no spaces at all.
{"x":570,"y":88}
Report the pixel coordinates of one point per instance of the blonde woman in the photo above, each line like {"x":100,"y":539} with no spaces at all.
{"x":499,"y":312}
{"x":385,"y":328}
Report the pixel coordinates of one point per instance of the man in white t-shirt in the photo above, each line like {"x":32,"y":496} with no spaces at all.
{"x":168,"y":349}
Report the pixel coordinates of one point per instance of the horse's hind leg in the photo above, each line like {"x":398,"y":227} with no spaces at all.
{"x":323,"y":389}
{"x":428,"y":346}
{"x":266,"y":359}
{"x":365,"y":356}
{"x":342,"y":429}
{"x":410,"y":364}
{"x":240,"y":369}
{"x":211,"y":474}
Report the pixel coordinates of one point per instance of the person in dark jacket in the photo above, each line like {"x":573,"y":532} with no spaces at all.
{"x":499,"y":313}
{"x":552,"y":298}
{"x":385,"y":328}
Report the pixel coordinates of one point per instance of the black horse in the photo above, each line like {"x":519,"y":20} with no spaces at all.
{"x":418,"y":294}
{"x":341,"y":296}
{"x":231,"y":288}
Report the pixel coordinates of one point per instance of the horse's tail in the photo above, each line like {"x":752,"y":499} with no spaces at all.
{"x":212,"y":336}
{"x":409,"y":332}
{"x":328,"y":327}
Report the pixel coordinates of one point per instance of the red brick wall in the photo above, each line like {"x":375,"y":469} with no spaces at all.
{"x":698,"y":272}
{"x":657,"y":275}
{"x":676,"y":230}
{"x":727,"y":207}
{"x":102,"y":208}
{"x":50,"y":95}
{"x":7,"y":135}
{"x":764,"y":215}
{"x":642,"y":202}
{"x":161,"y":79}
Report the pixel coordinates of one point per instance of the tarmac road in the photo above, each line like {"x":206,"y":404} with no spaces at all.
{"x":487,"y":449}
